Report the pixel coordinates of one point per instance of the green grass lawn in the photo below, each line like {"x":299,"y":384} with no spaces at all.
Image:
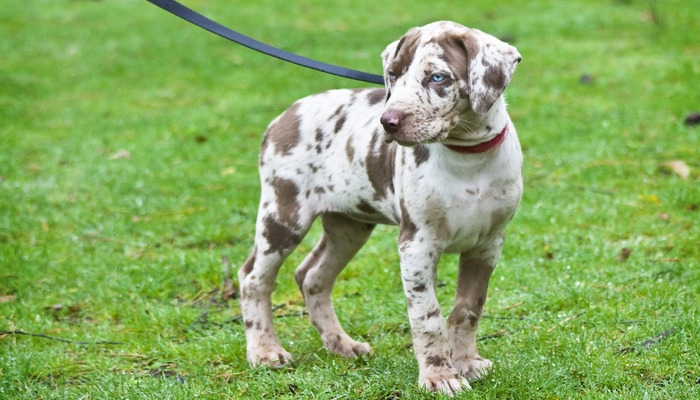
{"x":128,"y":148}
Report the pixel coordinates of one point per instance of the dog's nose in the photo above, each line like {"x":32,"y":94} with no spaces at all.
{"x":391,"y":120}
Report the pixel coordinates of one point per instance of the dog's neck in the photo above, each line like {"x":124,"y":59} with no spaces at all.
{"x":481,"y":147}
{"x":474,"y":134}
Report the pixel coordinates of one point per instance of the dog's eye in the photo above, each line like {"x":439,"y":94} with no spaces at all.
{"x":437,"y":78}
{"x":392,"y":76}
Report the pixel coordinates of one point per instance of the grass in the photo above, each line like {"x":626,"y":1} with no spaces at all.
{"x":128,"y":170}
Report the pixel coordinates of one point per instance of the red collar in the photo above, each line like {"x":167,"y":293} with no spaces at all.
{"x":481,"y":147}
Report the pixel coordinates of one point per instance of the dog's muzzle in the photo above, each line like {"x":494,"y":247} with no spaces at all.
{"x":391,"y":120}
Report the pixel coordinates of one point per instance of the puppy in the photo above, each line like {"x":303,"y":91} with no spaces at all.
{"x":435,"y":153}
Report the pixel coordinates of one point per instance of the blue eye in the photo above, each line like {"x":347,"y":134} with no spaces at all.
{"x":392,"y":76}
{"x":437,"y":78}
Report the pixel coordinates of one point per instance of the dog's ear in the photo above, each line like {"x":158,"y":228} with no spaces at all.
{"x":388,"y":54}
{"x":387,"y":57}
{"x":490,"y":64}
{"x":398,"y":55}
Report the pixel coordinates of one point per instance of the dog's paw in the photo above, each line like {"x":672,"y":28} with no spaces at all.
{"x":472,"y":368}
{"x":272,"y":357}
{"x":345,"y":346}
{"x":449,"y":383}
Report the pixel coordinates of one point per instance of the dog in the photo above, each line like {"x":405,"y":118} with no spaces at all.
{"x":434,"y":152}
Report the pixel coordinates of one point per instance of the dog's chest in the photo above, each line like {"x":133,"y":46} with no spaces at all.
{"x":462,"y":210}
{"x":482,"y":213}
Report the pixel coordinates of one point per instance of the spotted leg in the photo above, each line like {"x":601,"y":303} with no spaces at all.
{"x":472,"y":282}
{"x":274,"y":241}
{"x":428,"y":327}
{"x":341,"y":239}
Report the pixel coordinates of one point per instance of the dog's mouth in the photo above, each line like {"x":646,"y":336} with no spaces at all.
{"x":390,"y":137}
{"x":411,"y":136}
{"x":412,"y":128}
{"x":400,"y":142}
{"x":403,"y":141}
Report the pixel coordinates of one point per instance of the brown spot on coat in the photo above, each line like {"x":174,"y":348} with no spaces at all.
{"x":263,"y":148}
{"x":350,"y":150}
{"x":433,"y":314}
{"x":380,"y":166}
{"x":436,"y":361}
{"x":419,"y":288}
{"x":421,"y":154}
{"x":366,"y":207}
{"x":407,"y":228}
{"x":340,"y":122}
{"x":284,"y":132}
{"x":494,"y":78}
{"x":278,"y":235}
{"x":376,"y":96}
{"x":338,"y":111}
{"x":319,"y":140}
{"x":248,"y":264}
{"x":286,"y":192}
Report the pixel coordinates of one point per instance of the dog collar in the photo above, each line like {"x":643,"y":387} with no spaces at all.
{"x":481,"y":147}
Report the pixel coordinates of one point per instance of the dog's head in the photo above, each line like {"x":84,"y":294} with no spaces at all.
{"x":437,"y":74}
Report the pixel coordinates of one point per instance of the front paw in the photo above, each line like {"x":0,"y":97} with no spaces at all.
{"x":472,"y":368}
{"x":448,"y":382}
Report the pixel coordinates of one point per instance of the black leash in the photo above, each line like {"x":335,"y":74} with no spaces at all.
{"x":187,"y":14}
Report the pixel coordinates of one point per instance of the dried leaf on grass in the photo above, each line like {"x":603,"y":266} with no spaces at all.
{"x":120,"y":155}
{"x":678,"y":167}
{"x":6,"y":298}
{"x":624,"y":254}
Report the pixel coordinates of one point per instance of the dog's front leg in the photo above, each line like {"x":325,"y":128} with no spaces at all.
{"x":431,"y":344}
{"x":475,"y":270}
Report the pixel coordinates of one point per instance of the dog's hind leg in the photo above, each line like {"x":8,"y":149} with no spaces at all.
{"x":274,"y":241}
{"x":342,"y":238}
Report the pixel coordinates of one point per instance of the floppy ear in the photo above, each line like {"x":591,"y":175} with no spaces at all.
{"x":398,"y":55}
{"x":388,"y":54}
{"x":387,"y":57}
{"x":491,"y":64}
{"x":407,"y":42}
